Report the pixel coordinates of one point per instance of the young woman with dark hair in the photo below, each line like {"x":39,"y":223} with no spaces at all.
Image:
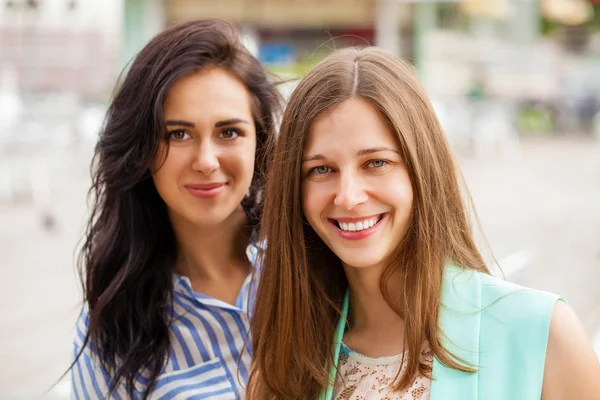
{"x":167,"y":260}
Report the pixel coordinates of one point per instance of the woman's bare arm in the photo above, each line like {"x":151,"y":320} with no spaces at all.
{"x":572,"y":369}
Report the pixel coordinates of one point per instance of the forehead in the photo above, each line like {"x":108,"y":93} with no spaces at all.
{"x":213,"y":91}
{"x":352,"y":126}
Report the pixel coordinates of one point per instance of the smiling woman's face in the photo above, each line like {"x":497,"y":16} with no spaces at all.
{"x":356,"y":190}
{"x":205,"y":165}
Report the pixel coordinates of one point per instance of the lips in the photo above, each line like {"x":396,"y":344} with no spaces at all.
{"x":206,"y":186}
{"x":356,"y":224}
{"x":357,"y":228}
{"x":206,"y":190}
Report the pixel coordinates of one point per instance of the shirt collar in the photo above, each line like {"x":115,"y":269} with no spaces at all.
{"x":183,"y":285}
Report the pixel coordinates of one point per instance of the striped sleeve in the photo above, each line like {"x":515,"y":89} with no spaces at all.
{"x":89,"y":379}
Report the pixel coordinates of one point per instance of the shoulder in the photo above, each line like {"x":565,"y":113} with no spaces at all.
{"x":496,"y":286}
{"x":518,"y":302}
{"x":88,"y":376}
{"x":85,"y":352}
{"x":572,"y":369}
{"x":81,"y":328}
{"x":500,"y":299}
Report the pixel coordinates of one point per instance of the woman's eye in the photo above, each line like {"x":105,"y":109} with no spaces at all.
{"x":321,"y":169}
{"x":178,"y":134}
{"x":378,"y":163}
{"x":229,"y":134}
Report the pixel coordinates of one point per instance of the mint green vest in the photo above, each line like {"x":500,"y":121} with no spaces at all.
{"x":499,"y":327}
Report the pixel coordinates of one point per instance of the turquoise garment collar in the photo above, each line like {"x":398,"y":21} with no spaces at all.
{"x":327,"y":394}
{"x":460,"y":319}
{"x":460,"y":322}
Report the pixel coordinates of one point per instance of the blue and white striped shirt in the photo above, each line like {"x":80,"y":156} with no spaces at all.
{"x":209,"y":356}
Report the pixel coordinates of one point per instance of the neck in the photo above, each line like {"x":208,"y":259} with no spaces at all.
{"x":368,"y":308}
{"x":376,"y":330}
{"x":211,"y":252}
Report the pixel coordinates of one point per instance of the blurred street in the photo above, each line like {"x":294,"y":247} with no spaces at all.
{"x":514,"y":84}
{"x":541,"y":213}
{"x":540,"y":208}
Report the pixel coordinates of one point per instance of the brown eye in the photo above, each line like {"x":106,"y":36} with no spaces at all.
{"x":178,"y":134}
{"x":229,"y":134}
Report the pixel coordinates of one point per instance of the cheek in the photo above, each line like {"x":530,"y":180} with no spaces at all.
{"x":240,"y":160}
{"x":407,"y":191}
{"x":160,"y":158}
{"x":313,"y":201}
{"x":240,"y":164}
{"x":169,"y":170}
{"x":401,"y":196}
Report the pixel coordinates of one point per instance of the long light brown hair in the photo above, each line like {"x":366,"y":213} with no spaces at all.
{"x":302,"y":283}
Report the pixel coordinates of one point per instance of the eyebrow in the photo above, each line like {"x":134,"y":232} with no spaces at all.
{"x":372,"y":150}
{"x":360,"y":153}
{"x":231,"y":121}
{"x":180,"y":123}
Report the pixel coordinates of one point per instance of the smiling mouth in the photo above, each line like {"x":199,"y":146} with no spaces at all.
{"x":206,"y":186}
{"x":206,"y":191}
{"x":359,"y":224}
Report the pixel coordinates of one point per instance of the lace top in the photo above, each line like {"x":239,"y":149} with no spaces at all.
{"x":365,"y":378}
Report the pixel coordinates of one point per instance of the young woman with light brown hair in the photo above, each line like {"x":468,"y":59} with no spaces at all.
{"x":371,"y":285}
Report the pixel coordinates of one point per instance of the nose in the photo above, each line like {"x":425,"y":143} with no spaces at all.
{"x":206,"y":159}
{"x":350,"y":193}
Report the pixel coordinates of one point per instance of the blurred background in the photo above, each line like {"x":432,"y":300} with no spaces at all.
{"x":515,"y":84}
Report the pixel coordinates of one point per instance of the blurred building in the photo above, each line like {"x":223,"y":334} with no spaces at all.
{"x":61,"y":45}
{"x":288,"y":32}
{"x":514,"y":49}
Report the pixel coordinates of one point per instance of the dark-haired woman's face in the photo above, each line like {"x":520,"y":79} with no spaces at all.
{"x":209,"y":147}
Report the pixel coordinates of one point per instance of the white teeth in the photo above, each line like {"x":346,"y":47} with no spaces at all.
{"x":358,"y":226}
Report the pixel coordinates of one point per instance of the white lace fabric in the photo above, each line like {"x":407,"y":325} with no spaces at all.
{"x":366,"y":378}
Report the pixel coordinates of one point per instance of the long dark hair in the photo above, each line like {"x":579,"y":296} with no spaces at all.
{"x":129,"y":249}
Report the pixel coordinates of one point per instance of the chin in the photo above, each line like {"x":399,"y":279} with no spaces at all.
{"x":212,"y":219}
{"x":360,"y":262}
